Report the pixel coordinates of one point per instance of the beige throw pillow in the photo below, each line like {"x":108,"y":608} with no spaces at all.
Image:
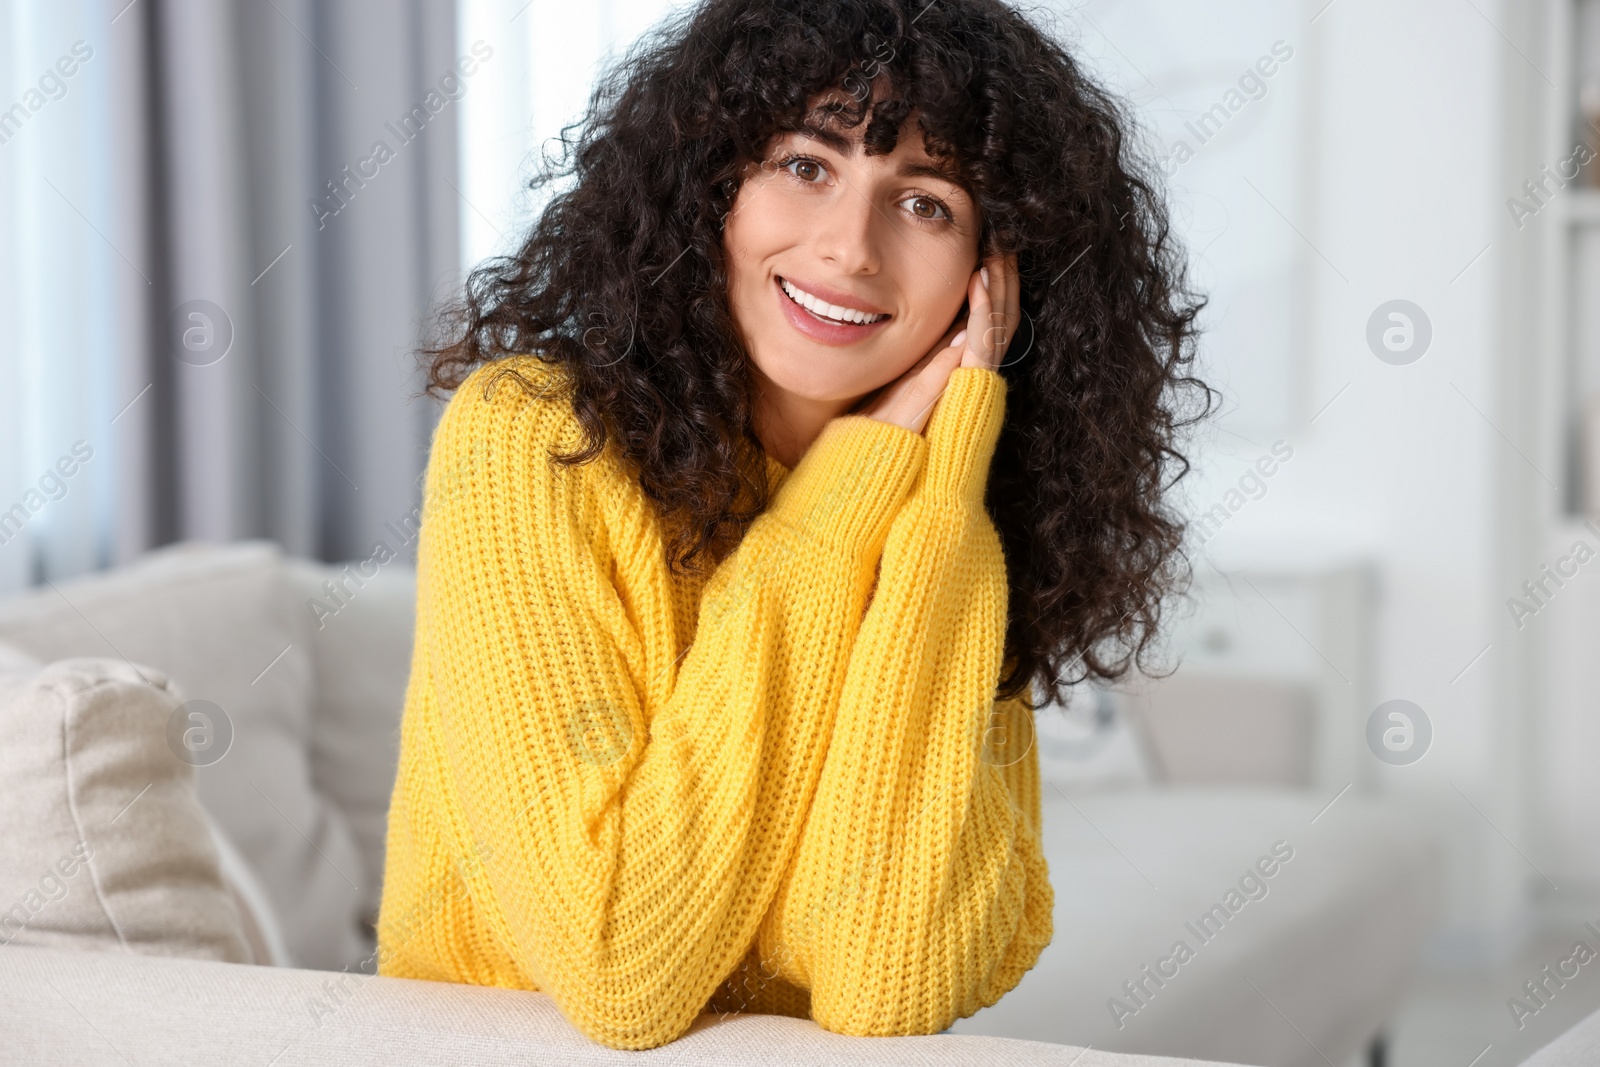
{"x":221,"y":621}
{"x":103,"y":844}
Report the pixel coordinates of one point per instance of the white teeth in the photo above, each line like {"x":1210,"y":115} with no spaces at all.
{"x":827,"y":310}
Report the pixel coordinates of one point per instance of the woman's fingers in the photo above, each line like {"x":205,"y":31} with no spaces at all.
{"x":994,"y":300}
{"x":1004,"y":296}
{"x":998,"y":331}
{"x":979,"y":352}
{"x":996,"y":305}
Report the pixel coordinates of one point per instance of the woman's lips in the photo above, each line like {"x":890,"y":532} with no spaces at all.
{"x":825,"y":331}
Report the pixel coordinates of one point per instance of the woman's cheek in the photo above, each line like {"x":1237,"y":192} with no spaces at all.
{"x":940,"y":295}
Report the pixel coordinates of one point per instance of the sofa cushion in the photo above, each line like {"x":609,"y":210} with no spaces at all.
{"x":221,"y":622}
{"x":194,"y":1011}
{"x":103,"y":843}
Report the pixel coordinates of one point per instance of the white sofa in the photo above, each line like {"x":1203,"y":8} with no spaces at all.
{"x":307,"y":664}
{"x":87,"y":1009}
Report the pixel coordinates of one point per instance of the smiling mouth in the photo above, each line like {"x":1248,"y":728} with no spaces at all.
{"x":832,"y":314}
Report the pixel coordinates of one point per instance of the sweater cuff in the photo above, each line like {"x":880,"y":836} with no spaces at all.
{"x":962,"y":432}
{"x":849,"y":485}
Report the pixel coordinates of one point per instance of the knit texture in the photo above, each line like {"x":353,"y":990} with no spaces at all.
{"x":785,"y":787}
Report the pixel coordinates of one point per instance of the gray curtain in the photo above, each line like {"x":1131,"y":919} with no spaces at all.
{"x":287,"y":266}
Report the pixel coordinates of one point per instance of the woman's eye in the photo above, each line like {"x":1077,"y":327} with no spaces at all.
{"x":807,"y":170}
{"x":926,"y":207}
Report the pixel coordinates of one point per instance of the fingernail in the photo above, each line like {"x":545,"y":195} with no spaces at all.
{"x":983,"y":272}
{"x":959,"y":339}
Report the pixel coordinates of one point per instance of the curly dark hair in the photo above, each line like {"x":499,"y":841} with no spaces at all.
{"x":622,"y":283}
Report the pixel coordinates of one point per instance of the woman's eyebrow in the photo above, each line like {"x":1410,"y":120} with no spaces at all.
{"x":845,"y":146}
{"x":938,"y":171}
{"x":849,"y":146}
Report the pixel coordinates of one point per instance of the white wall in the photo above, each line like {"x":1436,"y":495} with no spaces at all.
{"x":1390,"y":118}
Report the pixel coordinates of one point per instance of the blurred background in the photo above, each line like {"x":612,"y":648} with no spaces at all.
{"x":223,"y":227}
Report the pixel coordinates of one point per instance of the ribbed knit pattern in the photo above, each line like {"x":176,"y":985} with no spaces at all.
{"x":785,"y":787}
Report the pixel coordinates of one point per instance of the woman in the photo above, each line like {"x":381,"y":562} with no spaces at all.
{"x":817,"y":426}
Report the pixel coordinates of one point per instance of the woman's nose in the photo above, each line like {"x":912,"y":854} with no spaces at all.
{"x":847,"y":235}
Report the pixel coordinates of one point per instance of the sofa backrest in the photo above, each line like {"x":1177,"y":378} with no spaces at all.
{"x":361,"y":622}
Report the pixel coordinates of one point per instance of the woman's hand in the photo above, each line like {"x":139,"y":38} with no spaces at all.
{"x":993,"y":314}
{"x":994,"y":300}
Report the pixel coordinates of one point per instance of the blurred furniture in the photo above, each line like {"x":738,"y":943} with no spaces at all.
{"x":1201,"y":729}
{"x":1307,"y":974}
{"x":1271,"y":679}
{"x":1162,"y":793}
{"x":1550,"y":405}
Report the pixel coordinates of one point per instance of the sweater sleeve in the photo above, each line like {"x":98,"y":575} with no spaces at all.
{"x":919,"y":893}
{"x":640,"y":827}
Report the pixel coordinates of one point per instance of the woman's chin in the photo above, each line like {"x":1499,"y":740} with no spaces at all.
{"x":804,"y":380}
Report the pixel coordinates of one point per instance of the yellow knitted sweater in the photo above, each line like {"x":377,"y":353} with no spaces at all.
{"x":785,"y":787}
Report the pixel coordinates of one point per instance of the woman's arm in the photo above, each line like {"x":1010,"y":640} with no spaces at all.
{"x":639,"y":827}
{"x":919,"y":893}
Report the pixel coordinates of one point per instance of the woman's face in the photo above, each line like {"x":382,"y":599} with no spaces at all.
{"x":844,"y":268}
